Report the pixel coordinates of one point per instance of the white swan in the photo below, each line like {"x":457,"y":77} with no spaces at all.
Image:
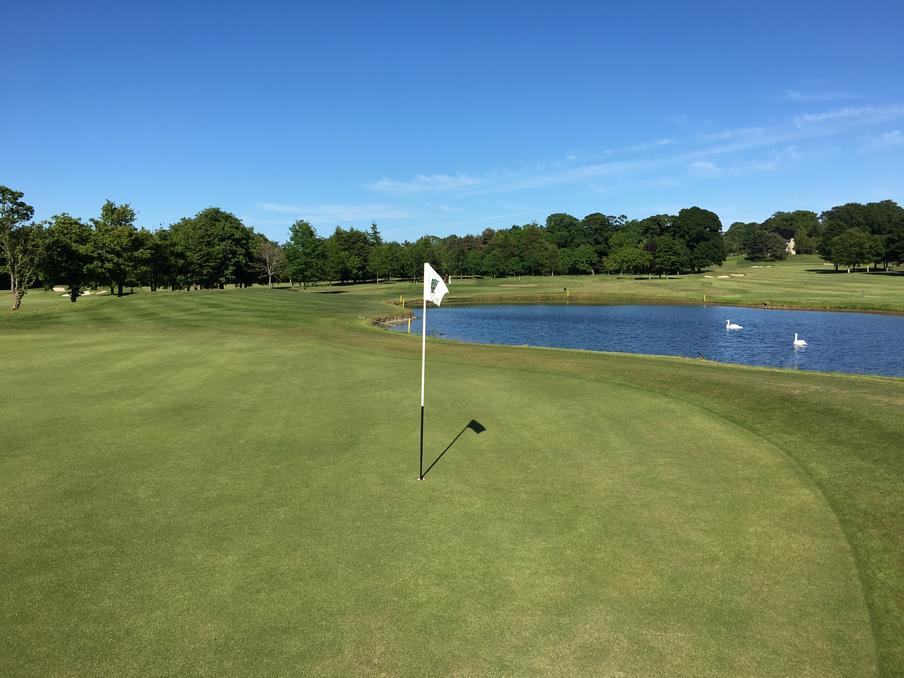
{"x":799,"y":343}
{"x":733,"y":326}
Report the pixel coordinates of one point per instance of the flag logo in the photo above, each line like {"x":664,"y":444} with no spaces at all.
{"x":434,"y":287}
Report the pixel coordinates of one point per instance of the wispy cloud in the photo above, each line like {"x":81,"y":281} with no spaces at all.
{"x":446,"y":208}
{"x":816,"y":95}
{"x":763,"y":165}
{"x":641,"y":147}
{"x":735,"y":134}
{"x":424,"y":182}
{"x":704,"y":168}
{"x":337,"y":212}
{"x":888,"y":139}
{"x":851,"y":115}
{"x":776,"y":145}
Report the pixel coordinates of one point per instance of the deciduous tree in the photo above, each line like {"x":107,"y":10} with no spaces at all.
{"x":304,"y":253}
{"x":271,"y":258}
{"x":20,"y":243}
{"x":114,"y":245}
{"x":765,"y":245}
{"x":628,"y":259}
{"x":69,"y":257}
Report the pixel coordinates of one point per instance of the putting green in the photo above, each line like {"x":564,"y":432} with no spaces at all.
{"x":225,"y":483}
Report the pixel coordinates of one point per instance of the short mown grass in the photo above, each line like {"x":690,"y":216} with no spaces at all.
{"x":225,"y":483}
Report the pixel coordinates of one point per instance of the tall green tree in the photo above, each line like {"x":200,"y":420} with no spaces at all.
{"x":380,"y":262}
{"x":374,"y":235}
{"x":348,"y":253}
{"x":894,"y":247}
{"x":836,"y":221}
{"x":701,"y":232}
{"x":531,"y":246}
{"x":69,"y":257}
{"x":304,"y":254}
{"x":628,"y":259}
{"x":143,"y":256}
{"x":669,"y":255}
{"x":114,"y":245}
{"x":20,"y":243}
{"x":584,"y":259}
{"x":564,"y":230}
{"x":737,"y":237}
{"x":852,"y":247}
{"x":424,"y":249}
{"x":597,"y":228}
{"x":765,"y":245}
{"x":501,"y":257}
{"x":215,"y":248}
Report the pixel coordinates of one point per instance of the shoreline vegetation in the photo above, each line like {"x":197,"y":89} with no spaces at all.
{"x":800,"y":283}
{"x":599,"y":300}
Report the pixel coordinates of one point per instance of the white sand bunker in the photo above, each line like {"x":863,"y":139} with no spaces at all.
{"x":103,"y":292}
{"x":736,"y":275}
{"x":724,"y":276}
{"x":59,"y":289}
{"x":707,"y":276}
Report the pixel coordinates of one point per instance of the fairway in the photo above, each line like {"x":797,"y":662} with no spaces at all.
{"x":225,"y":483}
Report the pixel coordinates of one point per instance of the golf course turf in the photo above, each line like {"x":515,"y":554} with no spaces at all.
{"x":225,"y":483}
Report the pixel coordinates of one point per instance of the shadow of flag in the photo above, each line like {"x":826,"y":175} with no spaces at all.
{"x":476,"y":426}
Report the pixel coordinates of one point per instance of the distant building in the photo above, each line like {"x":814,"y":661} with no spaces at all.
{"x":789,"y":247}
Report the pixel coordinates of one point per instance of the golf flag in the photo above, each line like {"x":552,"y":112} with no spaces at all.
{"x":434,"y":290}
{"x":434,"y":287}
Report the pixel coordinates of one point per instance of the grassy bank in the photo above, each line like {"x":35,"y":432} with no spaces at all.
{"x":225,"y":483}
{"x":800,"y":282}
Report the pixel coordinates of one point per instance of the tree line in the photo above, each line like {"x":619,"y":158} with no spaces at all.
{"x":563,"y":245}
{"x":848,"y":235}
{"x":214,"y":248}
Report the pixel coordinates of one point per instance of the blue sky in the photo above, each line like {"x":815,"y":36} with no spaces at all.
{"x":450,"y":117}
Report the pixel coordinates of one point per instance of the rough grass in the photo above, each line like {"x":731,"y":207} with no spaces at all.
{"x":225,"y":483}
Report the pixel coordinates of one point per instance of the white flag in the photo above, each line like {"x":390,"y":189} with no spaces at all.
{"x":434,"y":287}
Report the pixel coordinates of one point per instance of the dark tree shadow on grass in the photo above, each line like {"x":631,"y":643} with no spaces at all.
{"x":859,"y":271}
{"x":474,"y":425}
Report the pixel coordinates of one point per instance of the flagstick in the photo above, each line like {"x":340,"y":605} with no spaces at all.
{"x":423,"y":371}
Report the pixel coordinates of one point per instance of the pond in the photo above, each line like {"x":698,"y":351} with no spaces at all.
{"x":863,"y":343}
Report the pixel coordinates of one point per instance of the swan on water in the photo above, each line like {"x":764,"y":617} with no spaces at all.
{"x":733,"y":326}
{"x":799,"y":343}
